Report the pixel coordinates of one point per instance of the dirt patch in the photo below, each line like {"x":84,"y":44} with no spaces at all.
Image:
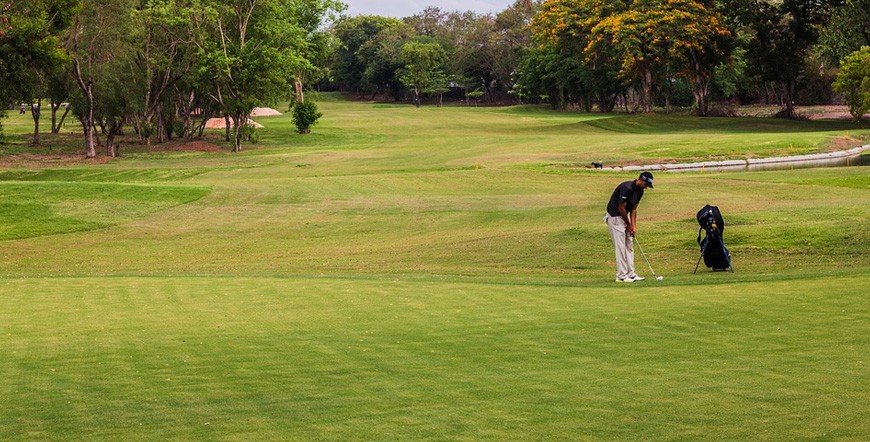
{"x":837,"y":144}
{"x":826,"y":113}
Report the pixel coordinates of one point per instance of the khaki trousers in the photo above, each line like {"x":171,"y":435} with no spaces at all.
{"x":623,"y":245}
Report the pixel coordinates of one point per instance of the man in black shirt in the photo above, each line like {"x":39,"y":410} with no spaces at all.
{"x":621,"y":220}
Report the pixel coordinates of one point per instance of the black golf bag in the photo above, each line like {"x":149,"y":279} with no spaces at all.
{"x":713,"y":250}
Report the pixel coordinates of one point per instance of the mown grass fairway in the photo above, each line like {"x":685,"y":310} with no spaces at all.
{"x":435,"y":274}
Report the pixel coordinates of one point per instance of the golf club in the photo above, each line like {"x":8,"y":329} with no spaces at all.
{"x":658,"y":278}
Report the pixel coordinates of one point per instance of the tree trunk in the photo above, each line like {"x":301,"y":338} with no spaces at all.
{"x":227,"y":122}
{"x":55,"y":129}
{"x":87,"y":87}
{"x":297,"y":84}
{"x":114,"y":130}
{"x":701,"y":91}
{"x":36,"y":111}
{"x":54,"y":107}
{"x":646,"y":85}
{"x":787,"y":97}
{"x":238,"y":121}
{"x":161,"y":125}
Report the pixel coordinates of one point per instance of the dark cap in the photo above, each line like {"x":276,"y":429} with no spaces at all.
{"x":648,"y":178}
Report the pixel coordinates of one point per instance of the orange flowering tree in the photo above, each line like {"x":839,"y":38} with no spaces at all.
{"x":646,"y":38}
{"x":561,"y":31}
{"x":651,"y":34}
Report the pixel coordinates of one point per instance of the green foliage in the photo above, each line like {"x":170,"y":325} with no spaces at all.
{"x":250,"y":133}
{"x":147,"y":130}
{"x":423,"y":69}
{"x":355,"y":52}
{"x":177,"y":128}
{"x":305,"y":115}
{"x":853,"y":82}
{"x":847,"y":31}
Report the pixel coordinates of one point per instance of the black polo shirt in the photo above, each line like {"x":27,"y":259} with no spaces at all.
{"x":627,"y":192}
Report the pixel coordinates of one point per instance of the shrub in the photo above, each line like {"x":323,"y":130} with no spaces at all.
{"x":305,"y":115}
{"x":178,"y":128}
{"x":853,"y":82}
{"x":249,"y":133}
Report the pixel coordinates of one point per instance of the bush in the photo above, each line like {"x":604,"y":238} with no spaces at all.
{"x":147,"y":130}
{"x":853,"y":82}
{"x":177,"y":128}
{"x":249,"y":133}
{"x":305,"y":115}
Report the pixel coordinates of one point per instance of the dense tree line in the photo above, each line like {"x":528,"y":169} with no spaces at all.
{"x":160,"y":69}
{"x":597,"y":54}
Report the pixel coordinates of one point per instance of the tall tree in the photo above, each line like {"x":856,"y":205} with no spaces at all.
{"x":782,"y":35}
{"x":311,"y":15}
{"x":562,"y":32}
{"x":252,"y":50}
{"x":354,"y":33}
{"x":30,"y":50}
{"x":651,"y":35}
{"x":163,"y":56}
{"x":381,"y":57}
{"x":98,"y":41}
{"x":847,"y":31}
{"x":423,"y":71}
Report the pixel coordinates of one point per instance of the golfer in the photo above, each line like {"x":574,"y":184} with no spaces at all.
{"x":621,"y":220}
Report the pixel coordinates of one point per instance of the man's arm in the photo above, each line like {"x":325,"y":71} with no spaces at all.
{"x":629,"y":221}
{"x":634,"y":221}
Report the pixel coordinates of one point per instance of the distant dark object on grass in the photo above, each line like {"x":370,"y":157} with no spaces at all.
{"x":597,"y":164}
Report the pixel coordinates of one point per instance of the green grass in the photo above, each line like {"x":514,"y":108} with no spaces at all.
{"x":363,"y":359}
{"x":426,"y":274}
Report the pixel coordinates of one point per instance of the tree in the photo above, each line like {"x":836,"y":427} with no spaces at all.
{"x":510,"y":34}
{"x":98,"y":43}
{"x":853,"y":82}
{"x":423,"y":69}
{"x":251,"y":50}
{"x":782,"y":35}
{"x":847,"y":31}
{"x":30,"y":49}
{"x":59,"y":87}
{"x":310,"y":16}
{"x":649,"y":36}
{"x":163,"y":56}
{"x":381,"y":57}
{"x":562,"y":65}
{"x":350,"y":62}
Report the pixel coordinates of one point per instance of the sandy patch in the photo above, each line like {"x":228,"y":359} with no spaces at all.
{"x":264,"y":112}
{"x":220,"y":123}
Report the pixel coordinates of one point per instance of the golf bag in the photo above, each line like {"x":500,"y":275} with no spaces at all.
{"x":713,"y":250}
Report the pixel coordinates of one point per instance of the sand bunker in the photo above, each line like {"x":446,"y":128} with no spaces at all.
{"x":220,"y":123}
{"x":264,"y":112}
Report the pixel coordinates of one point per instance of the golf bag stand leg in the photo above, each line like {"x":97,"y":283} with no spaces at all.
{"x":727,"y":255}
{"x":702,"y":255}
